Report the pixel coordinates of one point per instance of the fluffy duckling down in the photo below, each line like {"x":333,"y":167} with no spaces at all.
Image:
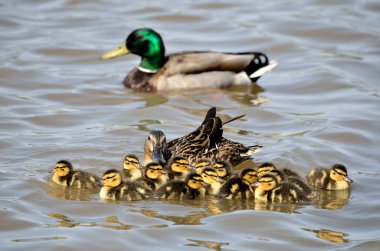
{"x":190,"y":188}
{"x":335,"y":178}
{"x":132,"y":168}
{"x":268,"y":189}
{"x":239,"y":187}
{"x":115,"y":189}
{"x":66,"y":176}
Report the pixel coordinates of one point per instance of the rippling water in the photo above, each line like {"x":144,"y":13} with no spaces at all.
{"x":58,"y":100}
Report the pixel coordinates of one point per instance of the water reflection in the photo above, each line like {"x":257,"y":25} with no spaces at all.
{"x":207,"y":244}
{"x":332,"y":200}
{"x":109,"y":222}
{"x":332,"y":236}
{"x":70,"y":193}
{"x":190,"y":219}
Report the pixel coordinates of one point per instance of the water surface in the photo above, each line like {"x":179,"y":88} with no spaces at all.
{"x":59,"y":101}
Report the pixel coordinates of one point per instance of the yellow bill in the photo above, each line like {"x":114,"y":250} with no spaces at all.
{"x":118,"y":51}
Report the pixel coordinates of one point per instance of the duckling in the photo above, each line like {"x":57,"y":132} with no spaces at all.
{"x":293,"y":179}
{"x":223,"y":169}
{"x":132,"y":168}
{"x":265,"y":168}
{"x":268,"y":189}
{"x":239,"y":187}
{"x":211,"y":178}
{"x":115,"y":189}
{"x":154,"y":176}
{"x":178,"y":168}
{"x":190,"y":188}
{"x":65,"y":175}
{"x":335,"y":178}
{"x":200,"y":164}
{"x":186,"y":70}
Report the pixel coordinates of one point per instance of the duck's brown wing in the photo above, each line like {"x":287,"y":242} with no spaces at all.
{"x":236,"y":152}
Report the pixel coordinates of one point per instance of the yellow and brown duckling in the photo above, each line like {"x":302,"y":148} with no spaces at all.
{"x":115,"y":189}
{"x":66,"y":176}
{"x":131,"y":168}
{"x":154,"y":176}
{"x":240,"y":187}
{"x":223,"y":169}
{"x":268,"y":189}
{"x":186,"y":70}
{"x":212,"y":180}
{"x":190,"y":188}
{"x":178,"y":167}
{"x":265,"y":168}
{"x":284,"y":175}
{"x":335,"y":178}
{"x":200,"y":164}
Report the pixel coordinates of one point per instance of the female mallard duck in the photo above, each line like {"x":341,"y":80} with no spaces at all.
{"x":205,"y":142}
{"x":154,"y":176}
{"x":190,"y":188}
{"x":212,"y":180}
{"x":115,"y":189}
{"x":157,"y":72}
{"x":178,"y":167}
{"x":240,"y":187}
{"x":268,"y":189}
{"x":223,"y":169}
{"x":65,"y":175}
{"x":132,"y":168}
{"x":335,"y":178}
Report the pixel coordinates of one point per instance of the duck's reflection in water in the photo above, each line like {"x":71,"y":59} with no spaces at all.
{"x":332,"y":200}
{"x":109,"y":222}
{"x":217,"y":246}
{"x":71,"y":193}
{"x":332,"y":236}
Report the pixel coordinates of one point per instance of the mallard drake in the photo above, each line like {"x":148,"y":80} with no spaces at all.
{"x":132,"y":168}
{"x":178,"y":167}
{"x":239,"y":187}
{"x":65,"y":175}
{"x":115,"y":189}
{"x":223,"y":169}
{"x":185,"y":70}
{"x":335,"y":178}
{"x":154,"y":176}
{"x":190,"y":188}
{"x":200,"y":164}
{"x":268,"y":189}
{"x":205,"y":142}
{"x":212,"y":180}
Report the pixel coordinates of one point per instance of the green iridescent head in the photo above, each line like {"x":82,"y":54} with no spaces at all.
{"x":147,"y":44}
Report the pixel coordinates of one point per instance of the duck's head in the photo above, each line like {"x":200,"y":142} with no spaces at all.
{"x":194,"y":180}
{"x":200,"y":164}
{"x":131,"y":162}
{"x":179,"y":165}
{"x":222,"y":168}
{"x":249,"y":176}
{"x":154,"y":170}
{"x":62,"y":168}
{"x":266,"y":182}
{"x":280,"y":176}
{"x":111,"y":178}
{"x":144,"y":42}
{"x":265,"y":168}
{"x":154,"y":147}
{"x":338,"y":172}
{"x":210,"y":176}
